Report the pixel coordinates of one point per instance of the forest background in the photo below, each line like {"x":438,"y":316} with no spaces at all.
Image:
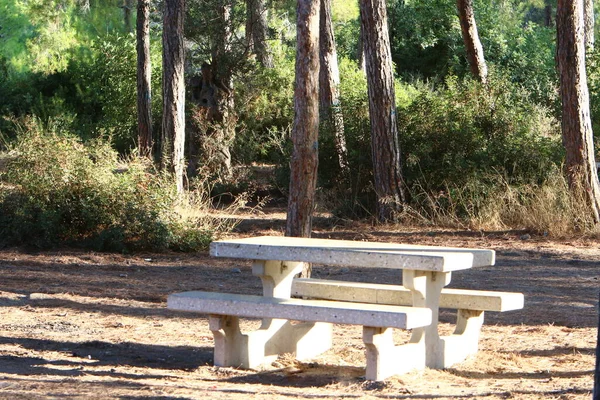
{"x":477,"y":156}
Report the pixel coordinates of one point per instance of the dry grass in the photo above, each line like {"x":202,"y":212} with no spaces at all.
{"x":550,"y":209}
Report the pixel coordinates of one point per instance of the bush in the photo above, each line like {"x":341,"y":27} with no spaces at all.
{"x":466,"y":131}
{"x":57,"y":191}
{"x":264,"y":104}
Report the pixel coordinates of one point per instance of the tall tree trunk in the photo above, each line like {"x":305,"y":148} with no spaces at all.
{"x":305,"y":157}
{"x":385,"y":149}
{"x":173,"y":124}
{"x":588,"y":11}
{"x":471,"y":39}
{"x":256,"y":31}
{"x":576,"y":122}
{"x":144,"y":75}
{"x":329,"y":79}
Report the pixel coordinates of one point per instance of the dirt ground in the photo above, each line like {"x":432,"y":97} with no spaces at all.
{"x":78,"y":324}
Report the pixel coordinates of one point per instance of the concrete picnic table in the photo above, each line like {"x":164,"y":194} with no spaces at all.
{"x":426,"y":270}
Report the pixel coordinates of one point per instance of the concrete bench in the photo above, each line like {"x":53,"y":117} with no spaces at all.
{"x":471,"y":305}
{"x":260,"y":346}
{"x":376,"y":293}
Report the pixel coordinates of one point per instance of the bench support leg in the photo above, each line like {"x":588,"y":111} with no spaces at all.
{"x":465,"y":339}
{"x":385,"y":359}
{"x":275,"y":337}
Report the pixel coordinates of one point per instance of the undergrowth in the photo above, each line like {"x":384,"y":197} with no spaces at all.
{"x":56,"y":190}
{"x":549,"y":208}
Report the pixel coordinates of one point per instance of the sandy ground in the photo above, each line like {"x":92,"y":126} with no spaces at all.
{"x":83,"y":325}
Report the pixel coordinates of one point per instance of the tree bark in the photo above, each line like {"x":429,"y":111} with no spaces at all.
{"x":144,"y":75}
{"x":256,"y":31}
{"x":329,"y":79}
{"x":588,"y":10}
{"x":576,"y":123}
{"x":173,"y":124}
{"x":305,"y":157}
{"x":471,"y":39}
{"x":389,"y":185}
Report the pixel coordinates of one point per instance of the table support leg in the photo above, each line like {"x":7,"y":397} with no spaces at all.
{"x":426,"y":288}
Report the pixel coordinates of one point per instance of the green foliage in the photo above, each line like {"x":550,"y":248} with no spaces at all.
{"x":353,"y":195}
{"x":264,"y":104}
{"x":521,"y":50}
{"x":426,"y":43}
{"x":40,"y":36}
{"x":593,"y":76}
{"x":458,"y":136}
{"x":94,"y":97}
{"x":425,"y":38}
{"x":101,"y":89}
{"x":55,"y":190}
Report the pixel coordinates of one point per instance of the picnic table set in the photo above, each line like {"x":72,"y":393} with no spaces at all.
{"x":411,"y":303}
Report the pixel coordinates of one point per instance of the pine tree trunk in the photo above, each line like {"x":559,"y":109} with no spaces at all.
{"x":329,"y":78}
{"x":173,"y":125}
{"x":389,"y":185}
{"x":588,"y":9}
{"x":256,"y":31}
{"x":304,"y":162}
{"x":471,"y":39}
{"x":576,"y":123}
{"x":144,"y":74}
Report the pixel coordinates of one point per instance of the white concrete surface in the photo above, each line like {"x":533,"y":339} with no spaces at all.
{"x":353,"y":253}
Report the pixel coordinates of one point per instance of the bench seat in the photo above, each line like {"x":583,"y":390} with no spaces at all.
{"x":277,"y":335}
{"x":338,"y":312}
{"x":376,"y":293}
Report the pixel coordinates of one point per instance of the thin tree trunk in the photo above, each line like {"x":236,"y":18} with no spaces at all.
{"x":389,"y":185}
{"x":173,"y":125}
{"x":144,"y":75}
{"x":84,"y":5}
{"x":471,"y":39}
{"x":305,"y":130}
{"x":127,"y":14}
{"x":588,"y":10}
{"x":224,"y":118}
{"x":256,"y":31}
{"x":548,"y":15}
{"x":360,"y":50}
{"x":576,"y":122}
{"x":329,"y":78}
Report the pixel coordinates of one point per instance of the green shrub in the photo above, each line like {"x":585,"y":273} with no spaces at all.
{"x":57,"y":191}
{"x":460,"y":136}
{"x":264,"y":105}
